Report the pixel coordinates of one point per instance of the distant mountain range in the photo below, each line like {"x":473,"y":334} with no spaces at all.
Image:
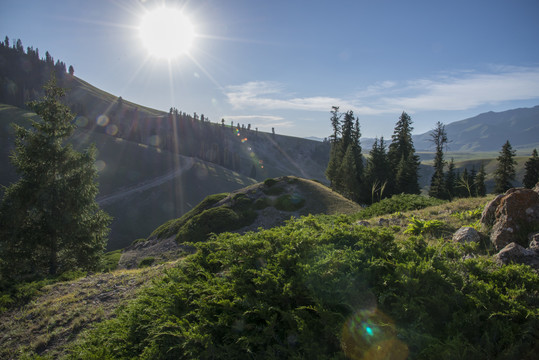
{"x":489,"y":131}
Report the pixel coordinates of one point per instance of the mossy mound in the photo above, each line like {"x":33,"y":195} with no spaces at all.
{"x":261,"y":205}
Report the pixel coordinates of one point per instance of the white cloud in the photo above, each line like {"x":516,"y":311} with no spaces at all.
{"x":469,"y":91}
{"x":461,"y":90}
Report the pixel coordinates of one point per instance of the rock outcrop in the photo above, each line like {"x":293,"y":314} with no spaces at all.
{"x":466,"y":235}
{"x":510,"y":214}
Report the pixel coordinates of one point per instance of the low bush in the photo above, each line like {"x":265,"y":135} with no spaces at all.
{"x":398,"y":203}
{"x":324,"y":289}
{"x":270,"y":182}
{"x":147,"y":261}
{"x":214,"y":220}
{"x":289,"y":202}
{"x":423,"y":227}
{"x":110,"y":260}
{"x":171,"y":227}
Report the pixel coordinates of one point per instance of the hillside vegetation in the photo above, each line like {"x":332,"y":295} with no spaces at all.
{"x":318,"y":287}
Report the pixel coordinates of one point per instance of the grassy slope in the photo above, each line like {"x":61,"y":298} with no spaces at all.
{"x":56,"y":316}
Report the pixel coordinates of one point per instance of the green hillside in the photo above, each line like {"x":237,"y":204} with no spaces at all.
{"x":320,"y":287}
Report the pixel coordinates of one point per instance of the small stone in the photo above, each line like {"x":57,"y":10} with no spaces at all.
{"x":466,"y":235}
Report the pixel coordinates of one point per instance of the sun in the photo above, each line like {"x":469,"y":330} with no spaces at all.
{"x":166,"y":33}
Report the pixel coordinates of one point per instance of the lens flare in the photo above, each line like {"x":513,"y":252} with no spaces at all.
{"x":100,"y":165}
{"x":81,"y":121}
{"x":112,"y":129}
{"x":102,"y":120}
{"x":244,"y":140}
{"x":371,"y":335}
{"x":155,"y":140}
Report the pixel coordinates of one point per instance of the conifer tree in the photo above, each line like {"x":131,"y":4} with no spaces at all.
{"x":336,"y":155}
{"x":505,"y":172}
{"x":465,"y":184}
{"x":403,"y":159}
{"x":345,"y":167}
{"x":450,"y":180}
{"x":531,"y":177}
{"x":437,"y":182}
{"x":49,"y":220}
{"x":479,"y":183}
{"x":377,"y":173}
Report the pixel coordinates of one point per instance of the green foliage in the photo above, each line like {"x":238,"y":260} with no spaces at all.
{"x":402,"y":158}
{"x":147,"y":261}
{"x":261,"y":203}
{"x":474,"y":214}
{"x":270,"y":182}
{"x":437,"y":183}
{"x":17,"y":294}
{"x":49,"y":219}
{"x":274,"y":190}
{"x":398,"y":203}
{"x":289,"y":202}
{"x":214,"y":220}
{"x":531,"y":177}
{"x":345,"y":167}
{"x":110,"y":260}
{"x":323,"y":288}
{"x":171,"y":227}
{"x":505,"y":171}
{"x":421,"y":227}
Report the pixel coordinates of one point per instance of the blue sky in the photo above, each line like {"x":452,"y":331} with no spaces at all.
{"x":283,"y":64}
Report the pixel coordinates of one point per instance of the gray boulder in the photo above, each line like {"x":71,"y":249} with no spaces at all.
{"x":514,"y":253}
{"x":466,"y":235}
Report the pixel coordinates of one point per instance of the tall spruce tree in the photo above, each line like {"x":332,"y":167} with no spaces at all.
{"x":531,"y":177}
{"x":403,"y":159}
{"x":505,"y":172}
{"x":450,"y":180}
{"x":378,"y":170}
{"x":437,"y":182}
{"x":49,"y":220}
{"x":345,"y":167}
{"x":336,"y":154}
{"x":479,"y":183}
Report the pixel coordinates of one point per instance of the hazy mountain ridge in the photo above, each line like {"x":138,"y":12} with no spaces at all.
{"x":489,"y":131}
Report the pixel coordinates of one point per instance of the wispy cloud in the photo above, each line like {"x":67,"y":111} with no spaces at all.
{"x":271,"y":95}
{"x":451,"y":91}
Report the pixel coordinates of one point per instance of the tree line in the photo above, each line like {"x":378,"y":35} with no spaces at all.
{"x":389,"y":170}
{"x":394,"y":169}
{"x":24,"y":72}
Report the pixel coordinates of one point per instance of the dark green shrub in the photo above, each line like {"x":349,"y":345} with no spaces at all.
{"x":270,"y":182}
{"x":274,"y":191}
{"x":147,"y":261}
{"x":110,"y":260}
{"x":261,"y":203}
{"x":242,"y":202}
{"x":171,"y":227}
{"x":289,"y":202}
{"x":214,"y":220}
{"x":402,"y":202}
